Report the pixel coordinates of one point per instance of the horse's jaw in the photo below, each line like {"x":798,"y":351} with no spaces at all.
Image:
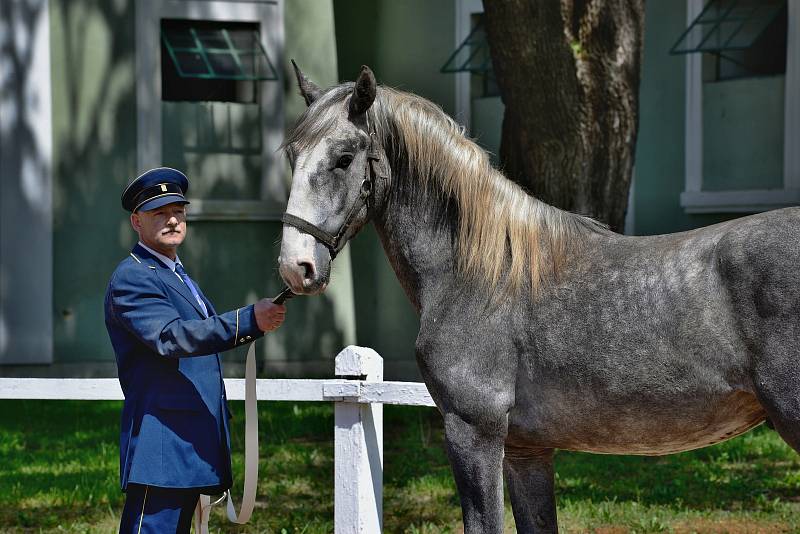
{"x":312,"y":291}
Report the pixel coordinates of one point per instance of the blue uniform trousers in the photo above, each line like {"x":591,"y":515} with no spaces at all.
{"x":154,"y":510}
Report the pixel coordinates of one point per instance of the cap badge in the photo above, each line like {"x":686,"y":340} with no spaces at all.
{"x":164,"y":187}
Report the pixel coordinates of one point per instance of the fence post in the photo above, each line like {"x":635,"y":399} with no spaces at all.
{"x":358,"y":447}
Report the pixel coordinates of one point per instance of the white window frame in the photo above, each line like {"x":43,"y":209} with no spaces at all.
{"x":269,"y":15}
{"x":694,"y":199}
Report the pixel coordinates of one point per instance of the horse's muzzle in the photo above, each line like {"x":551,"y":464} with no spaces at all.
{"x":303,"y":276}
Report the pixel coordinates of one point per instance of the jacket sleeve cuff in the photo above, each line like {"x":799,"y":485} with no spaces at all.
{"x":246,"y":326}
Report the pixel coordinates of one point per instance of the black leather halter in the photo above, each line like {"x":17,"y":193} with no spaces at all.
{"x":336,"y":242}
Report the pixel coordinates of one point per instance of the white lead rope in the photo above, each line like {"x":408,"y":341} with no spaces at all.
{"x":204,"y":505}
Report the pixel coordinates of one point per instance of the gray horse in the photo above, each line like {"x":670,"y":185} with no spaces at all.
{"x":541,"y":329}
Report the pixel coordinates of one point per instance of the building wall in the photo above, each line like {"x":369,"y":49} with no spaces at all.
{"x":236,"y":262}
{"x":405,"y":44}
{"x":659,"y":174}
{"x":487,"y":124}
{"x":743,"y":123}
{"x":94,"y":138}
{"x":26,"y":248}
{"x":95,"y":145}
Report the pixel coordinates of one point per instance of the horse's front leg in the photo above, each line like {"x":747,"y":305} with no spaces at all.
{"x":476,"y":455}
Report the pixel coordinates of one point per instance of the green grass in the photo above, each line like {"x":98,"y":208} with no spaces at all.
{"x":59,"y":465}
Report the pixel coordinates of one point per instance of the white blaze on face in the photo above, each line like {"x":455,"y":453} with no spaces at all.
{"x":304,"y":262}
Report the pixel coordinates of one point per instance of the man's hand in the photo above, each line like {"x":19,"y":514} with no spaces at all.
{"x":269,"y":316}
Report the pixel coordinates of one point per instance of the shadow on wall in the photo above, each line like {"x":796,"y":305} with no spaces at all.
{"x":94,"y":132}
{"x":94,"y":118}
{"x":25,"y":183}
{"x":218,"y":145}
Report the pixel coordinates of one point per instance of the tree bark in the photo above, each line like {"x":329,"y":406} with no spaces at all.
{"x":568,"y":72}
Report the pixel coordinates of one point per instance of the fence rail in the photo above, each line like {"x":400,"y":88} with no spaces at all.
{"x":358,"y":394}
{"x":359,"y":391}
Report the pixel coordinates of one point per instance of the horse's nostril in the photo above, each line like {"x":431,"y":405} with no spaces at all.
{"x":308,"y":269}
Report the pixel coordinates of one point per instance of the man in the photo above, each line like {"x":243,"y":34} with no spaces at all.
{"x":174,"y":441}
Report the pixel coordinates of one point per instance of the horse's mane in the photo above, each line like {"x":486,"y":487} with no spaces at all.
{"x":504,"y":234}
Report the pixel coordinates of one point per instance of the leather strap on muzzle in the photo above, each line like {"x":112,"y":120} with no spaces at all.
{"x":329,"y":240}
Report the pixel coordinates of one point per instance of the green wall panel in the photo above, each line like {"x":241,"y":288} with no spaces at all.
{"x":311,"y":41}
{"x":316,"y":327}
{"x":405,"y":43}
{"x":218,"y":141}
{"x":659,"y":169}
{"x":94,"y":150}
{"x":743,"y":134}
{"x":487,"y":125}
{"x":94,"y":123}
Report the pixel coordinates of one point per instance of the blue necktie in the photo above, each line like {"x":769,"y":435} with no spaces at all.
{"x":188,"y":281}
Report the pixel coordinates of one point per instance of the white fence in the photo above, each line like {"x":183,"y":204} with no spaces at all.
{"x":358,"y":392}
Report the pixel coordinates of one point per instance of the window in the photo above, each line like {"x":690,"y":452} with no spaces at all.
{"x":204,"y":61}
{"x":472,"y":56}
{"x":742,"y":105}
{"x":738,"y":38}
{"x":210,"y":102}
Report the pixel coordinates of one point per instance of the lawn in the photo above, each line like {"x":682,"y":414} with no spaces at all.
{"x":59,"y":474}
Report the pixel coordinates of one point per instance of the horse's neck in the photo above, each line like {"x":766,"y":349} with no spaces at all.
{"x":417,"y":239}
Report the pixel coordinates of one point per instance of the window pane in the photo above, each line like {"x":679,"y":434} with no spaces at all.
{"x":191,"y":63}
{"x":715,"y":10}
{"x":748,"y":34}
{"x":180,"y":38}
{"x":707,"y":35}
{"x":212,"y":38}
{"x":224,"y":65}
{"x":726,"y":32}
{"x":255,"y":64}
{"x":742,"y":12}
{"x":691,"y":40}
{"x":248,"y":61}
{"x":244,"y":40}
{"x":208,"y":70}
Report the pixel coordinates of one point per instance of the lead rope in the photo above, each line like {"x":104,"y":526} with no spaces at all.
{"x":204,"y":504}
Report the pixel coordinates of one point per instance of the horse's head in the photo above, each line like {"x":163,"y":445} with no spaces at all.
{"x":334,"y":161}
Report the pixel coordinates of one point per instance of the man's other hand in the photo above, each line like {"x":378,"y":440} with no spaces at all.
{"x":269,"y":316}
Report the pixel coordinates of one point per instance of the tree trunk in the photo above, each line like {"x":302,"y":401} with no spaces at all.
{"x":568,"y":72}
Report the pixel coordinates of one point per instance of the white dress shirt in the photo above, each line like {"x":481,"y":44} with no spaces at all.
{"x":165,"y":260}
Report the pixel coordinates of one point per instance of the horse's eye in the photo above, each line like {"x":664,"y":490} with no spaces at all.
{"x":344,"y":161}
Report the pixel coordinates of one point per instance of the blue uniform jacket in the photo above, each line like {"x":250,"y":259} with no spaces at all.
{"x":174,"y":430}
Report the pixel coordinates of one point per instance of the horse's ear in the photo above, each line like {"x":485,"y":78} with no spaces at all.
{"x":363,"y":93}
{"x":308,"y":89}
